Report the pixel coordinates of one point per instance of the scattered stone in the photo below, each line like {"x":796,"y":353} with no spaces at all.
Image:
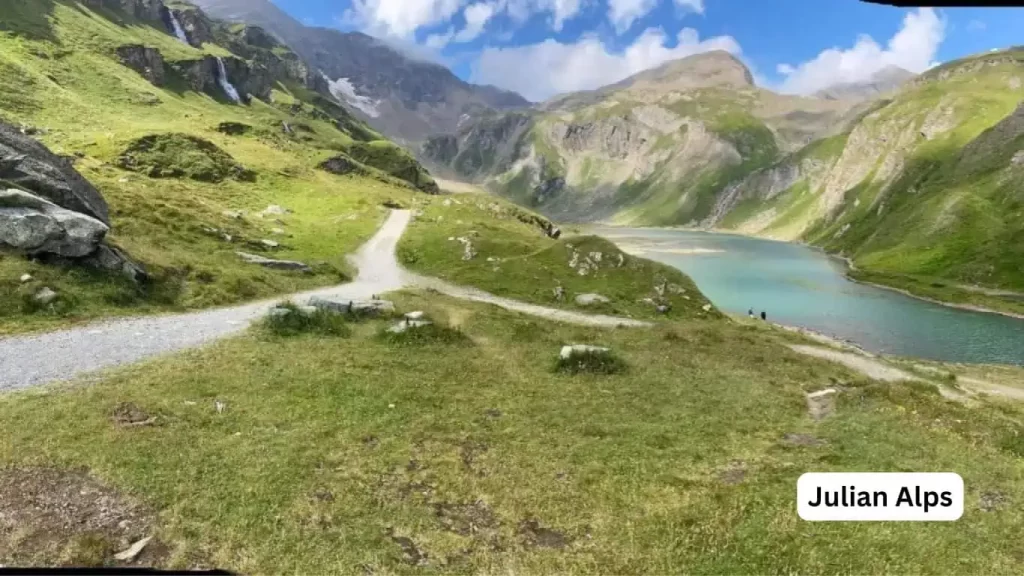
{"x":130,"y":554}
{"x":25,"y":278}
{"x":574,"y":349}
{"x":358,"y":307}
{"x":663,"y":309}
{"x":414,"y":315}
{"x":274,"y":210}
{"x":406,"y":325}
{"x":468,"y":252}
{"x":275,"y":264}
{"x":706,"y":307}
{"x":219,"y":406}
{"x":537,"y":535}
{"x":559,"y":293}
{"x":676,"y":289}
{"x":277,"y":231}
{"x":591,"y":299}
{"x":447,"y":202}
{"x":822,"y":403}
{"x":269,"y":243}
{"x":45,"y":296}
{"x":233,"y":214}
{"x":279,"y":312}
{"x":129,"y":415}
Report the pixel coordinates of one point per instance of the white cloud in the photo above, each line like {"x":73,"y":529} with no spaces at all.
{"x":561,"y":10}
{"x":477,"y":16}
{"x":399,"y":18}
{"x":439,"y":40}
{"x":976,"y":26}
{"x":912,"y":48}
{"x":695,"y":5}
{"x":539,"y":71}
{"x":622,"y":13}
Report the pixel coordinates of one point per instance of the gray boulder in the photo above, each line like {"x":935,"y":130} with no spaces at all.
{"x":591,"y":299}
{"x":275,"y":264}
{"x":33,"y":225}
{"x":361,"y":307}
{"x":29,"y":165}
{"x":408,"y":324}
{"x":45,"y":296}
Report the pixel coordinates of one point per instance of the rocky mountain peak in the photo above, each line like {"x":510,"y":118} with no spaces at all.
{"x":717,"y":68}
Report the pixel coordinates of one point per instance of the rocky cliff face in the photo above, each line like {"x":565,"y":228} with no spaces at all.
{"x":146,"y":61}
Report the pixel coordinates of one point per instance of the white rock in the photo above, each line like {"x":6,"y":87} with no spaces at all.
{"x":277,"y":231}
{"x":25,"y":278}
{"x":274,"y":210}
{"x":235,"y":214}
{"x":219,"y":406}
{"x":45,"y":296}
{"x":822,"y":403}
{"x":418,"y":315}
{"x":135,"y":549}
{"x":269,"y":243}
{"x":279,"y":312}
{"x":589,"y":299}
{"x":706,"y":307}
{"x":408,"y":325}
{"x":570,"y":350}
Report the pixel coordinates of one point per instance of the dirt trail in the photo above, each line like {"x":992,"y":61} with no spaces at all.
{"x":40,"y":358}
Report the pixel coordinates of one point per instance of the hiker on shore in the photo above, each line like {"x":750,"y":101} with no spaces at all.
{"x":764,"y":316}
{"x":750,"y":313}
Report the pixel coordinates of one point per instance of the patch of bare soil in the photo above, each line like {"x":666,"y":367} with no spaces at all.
{"x":541,"y":537}
{"x":53,"y":517}
{"x":412,"y":554}
{"x":128,"y":414}
{"x":466,"y":519}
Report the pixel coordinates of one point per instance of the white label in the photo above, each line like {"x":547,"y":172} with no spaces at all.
{"x":880,"y":496}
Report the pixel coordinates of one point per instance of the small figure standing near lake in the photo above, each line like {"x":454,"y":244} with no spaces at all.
{"x":764,"y":316}
{"x":750,"y":313}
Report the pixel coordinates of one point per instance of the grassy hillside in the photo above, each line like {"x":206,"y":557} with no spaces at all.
{"x":924,"y":192}
{"x":59,"y":74}
{"x":428,"y":458}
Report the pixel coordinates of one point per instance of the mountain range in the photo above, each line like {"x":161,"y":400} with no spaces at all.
{"x":912,"y":177}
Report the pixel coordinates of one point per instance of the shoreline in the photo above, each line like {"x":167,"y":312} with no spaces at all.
{"x":845,"y":260}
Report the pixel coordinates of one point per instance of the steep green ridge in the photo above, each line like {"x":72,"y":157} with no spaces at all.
{"x":60,"y":73}
{"x":924,"y":192}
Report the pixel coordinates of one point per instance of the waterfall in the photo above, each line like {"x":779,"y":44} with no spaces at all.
{"x":178,"y":30}
{"x":222,"y":77}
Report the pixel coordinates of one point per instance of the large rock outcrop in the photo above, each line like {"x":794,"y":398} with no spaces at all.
{"x":33,"y":225}
{"x":201,"y":76}
{"x":29,"y":165}
{"x":146,"y":61}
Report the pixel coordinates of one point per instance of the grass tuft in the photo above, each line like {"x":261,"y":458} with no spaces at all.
{"x":298,"y":322}
{"x":605,"y":363}
{"x":430,"y":334}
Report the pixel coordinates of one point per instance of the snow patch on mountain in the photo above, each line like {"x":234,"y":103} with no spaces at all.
{"x":343,"y":90}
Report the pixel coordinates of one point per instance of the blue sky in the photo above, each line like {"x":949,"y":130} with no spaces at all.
{"x":543,"y":47}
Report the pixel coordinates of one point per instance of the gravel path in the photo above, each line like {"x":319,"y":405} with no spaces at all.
{"x":37,"y":359}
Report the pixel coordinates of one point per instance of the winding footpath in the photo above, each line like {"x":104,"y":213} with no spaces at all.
{"x":36,"y":359}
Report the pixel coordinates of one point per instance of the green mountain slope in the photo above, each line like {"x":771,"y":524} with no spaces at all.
{"x":926,"y":185}
{"x":185,"y":170}
{"x":653,"y":149}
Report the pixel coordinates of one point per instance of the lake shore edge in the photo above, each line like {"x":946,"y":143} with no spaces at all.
{"x":845,"y":260}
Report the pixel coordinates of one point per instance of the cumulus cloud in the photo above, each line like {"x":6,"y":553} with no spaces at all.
{"x":477,"y":16}
{"x":912,"y":48}
{"x":561,"y":10}
{"x":539,"y":71}
{"x":399,"y":18}
{"x":622,"y":13}
{"x":695,"y":5}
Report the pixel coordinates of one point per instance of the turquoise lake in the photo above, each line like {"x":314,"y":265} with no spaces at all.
{"x":799,"y":286}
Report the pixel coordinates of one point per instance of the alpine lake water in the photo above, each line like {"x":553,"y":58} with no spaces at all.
{"x":799,"y":286}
